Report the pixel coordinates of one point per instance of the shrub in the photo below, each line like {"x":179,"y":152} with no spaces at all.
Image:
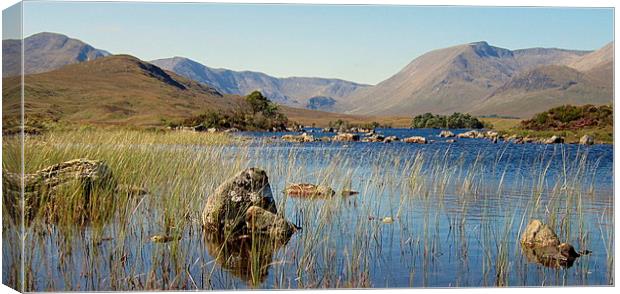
{"x":454,"y":121}
{"x":568,"y":117}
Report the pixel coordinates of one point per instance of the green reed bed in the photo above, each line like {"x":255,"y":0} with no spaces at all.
{"x":447,"y":213}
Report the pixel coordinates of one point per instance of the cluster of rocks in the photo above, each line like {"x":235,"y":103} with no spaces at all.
{"x":343,"y":129}
{"x":541,"y":245}
{"x":202,"y":128}
{"x":374,"y":137}
{"x":370,"y":137}
{"x":515,"y":139}
{"x":585,"y":140}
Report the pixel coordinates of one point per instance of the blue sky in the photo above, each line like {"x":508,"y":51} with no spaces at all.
{"x":365,"y":44}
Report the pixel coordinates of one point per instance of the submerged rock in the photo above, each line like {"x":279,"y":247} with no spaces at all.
{"x":348,"y":193}
{"x":387,"y":220}
{"x":446,"y":134}
{"x":540,"y":244}
{"x":559,"y":256}
{"x":164,"y":238}
{"x":50,"y":189}
{"x":415,"y":139}
{"x":554,"y":140}
{"x":309,"y":190}
{"x":586,"y":140}
{"x":390,"y":139}
{"x":470,"y":134}
{"x":374,"y":138}
{"x":303,"y":138}
{"x":346,"y":137}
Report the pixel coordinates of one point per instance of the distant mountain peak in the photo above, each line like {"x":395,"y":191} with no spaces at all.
{"x":460,"y":78}
{"x":483,"y":49}
{"x":44,"y":52}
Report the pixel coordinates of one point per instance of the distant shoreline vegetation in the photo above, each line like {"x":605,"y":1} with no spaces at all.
{"x":345,"y":125}
{"x":568,"y":117}
{"x":455,"y":121}
{"x":257,"y":113}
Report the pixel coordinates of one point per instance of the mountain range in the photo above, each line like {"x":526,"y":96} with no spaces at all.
{"x":304,"y":92}
{"x":124,"y":90}
{"x":482,"y":79}
{"x":476,"y":78}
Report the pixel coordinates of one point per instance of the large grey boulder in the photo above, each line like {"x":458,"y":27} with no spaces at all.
{"x":226,"y":207}
{"x":244,"y":205}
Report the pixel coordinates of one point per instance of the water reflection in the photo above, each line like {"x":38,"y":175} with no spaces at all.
{"x":246,"y":257}
{"x":549,"y":256}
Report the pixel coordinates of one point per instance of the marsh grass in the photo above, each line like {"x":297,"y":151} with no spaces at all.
{"x":456,"y":217}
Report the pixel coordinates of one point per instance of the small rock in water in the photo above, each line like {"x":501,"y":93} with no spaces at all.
{"x":387,"y":220}
{"x":586,"y":140}
{"x":346,"y":137}
{"x":446,"y":134}
{"x":416,"y":140}
{"x":349,"y":192}
{"x":164,"y":238}
{"x":554,"y":140}
{"x":309,"y":190}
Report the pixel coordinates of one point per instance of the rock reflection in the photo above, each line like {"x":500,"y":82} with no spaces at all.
{"x":549,"y":256}
{"x":246,"y":257}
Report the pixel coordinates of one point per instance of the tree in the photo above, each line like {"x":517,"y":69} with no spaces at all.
{"x":259,"y":103}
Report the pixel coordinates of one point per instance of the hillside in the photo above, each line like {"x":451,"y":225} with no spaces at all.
{"x":123,"y":90}
{"x":441,"y":81}
{"x":117,"y":89}
{"x":597,"y":59}
{"x":483,"y":79}
{"x":293,"y":91}
{"x":45,"y":52}
{"x":543,"y":88}
{"x":534,"y":57}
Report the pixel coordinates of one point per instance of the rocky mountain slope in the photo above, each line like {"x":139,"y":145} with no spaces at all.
{"x":45,"y":52}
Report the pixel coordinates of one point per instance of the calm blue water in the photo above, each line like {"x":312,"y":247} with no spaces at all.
{"x":457,"y":211}
{"x":439,"y":238}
